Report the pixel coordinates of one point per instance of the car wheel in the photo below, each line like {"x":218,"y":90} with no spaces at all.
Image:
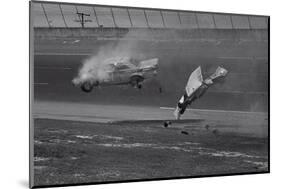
{"x":139,"y":86}
{"x":135,"y":81}
{"x":87,"y":87}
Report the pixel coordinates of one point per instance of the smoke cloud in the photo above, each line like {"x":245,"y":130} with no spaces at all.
{"x":126,"y":46}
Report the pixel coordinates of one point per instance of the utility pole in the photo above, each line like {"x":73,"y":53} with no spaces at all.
{"x":82,"y":19}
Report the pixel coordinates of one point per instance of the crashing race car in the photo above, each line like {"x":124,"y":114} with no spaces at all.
{"x":117,"y":71}
{"x":196,"y":87}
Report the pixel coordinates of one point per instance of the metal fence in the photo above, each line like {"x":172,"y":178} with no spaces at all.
{"x":77,"y":16}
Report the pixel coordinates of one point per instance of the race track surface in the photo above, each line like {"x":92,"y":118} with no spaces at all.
{"x":57,"y":62}
{"x":242,"y":123}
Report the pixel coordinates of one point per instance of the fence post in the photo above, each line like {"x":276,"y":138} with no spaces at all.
{"x":196,"y":19}
{"x":179,"y":16}
{"x":112,"y":14}
{"x":231,"y":21}
{"x":250,"y":26}
{"x":63,"y":16}
{"x":213,"y":16}
{"x":164,"y":25}
{"x":96,"y":17}
{"x":146,"y":18}
{"x":129,"y":17}
{"x":46,"y":15}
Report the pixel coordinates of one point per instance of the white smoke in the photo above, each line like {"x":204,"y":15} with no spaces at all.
{"x":125,"y":47}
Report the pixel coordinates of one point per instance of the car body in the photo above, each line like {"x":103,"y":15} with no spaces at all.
{"x":117,"y":71}
{"x":196,"y":87}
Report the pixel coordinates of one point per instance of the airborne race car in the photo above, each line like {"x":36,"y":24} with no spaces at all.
{"x":196,"y":87}
{"x":117,"y":71}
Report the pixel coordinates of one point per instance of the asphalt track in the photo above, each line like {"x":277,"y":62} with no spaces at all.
{"x":243,"y":123}
{"x":245,"y":88}
{"x":56,"y":63}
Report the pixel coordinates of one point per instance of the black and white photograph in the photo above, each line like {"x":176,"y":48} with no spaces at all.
{"x":123,"y":94}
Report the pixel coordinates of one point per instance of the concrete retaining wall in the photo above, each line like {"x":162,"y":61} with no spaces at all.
{"x":157,"y":34}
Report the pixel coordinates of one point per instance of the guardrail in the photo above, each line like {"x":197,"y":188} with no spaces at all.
{"x":154,"y":34}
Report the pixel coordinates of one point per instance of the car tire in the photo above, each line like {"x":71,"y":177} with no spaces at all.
{"x":87,"y":87}
{"x":135,"y":81}
{"x":139,"y":86}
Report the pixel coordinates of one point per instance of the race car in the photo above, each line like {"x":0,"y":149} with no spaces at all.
{"x":196,"y":87}
{"x":117,"y":71}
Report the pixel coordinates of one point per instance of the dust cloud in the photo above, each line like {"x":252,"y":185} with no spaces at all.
{"x":126,"y":47}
